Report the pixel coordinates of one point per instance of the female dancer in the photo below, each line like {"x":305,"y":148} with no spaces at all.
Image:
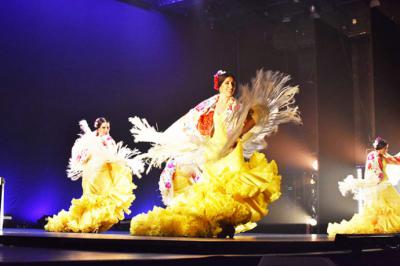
{"x":106,"y":182}
{"x":380,"y":212}
{"x":207,"y":185}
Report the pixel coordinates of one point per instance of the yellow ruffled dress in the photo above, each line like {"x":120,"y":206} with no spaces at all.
{"x":232,"y":193}
{"x":107,"y":195}
{"x":380,"y":214}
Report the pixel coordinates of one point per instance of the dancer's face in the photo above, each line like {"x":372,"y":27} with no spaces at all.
{"x":384,"y":150}
{"x":104,"y":129}
{"x":227,"y":87}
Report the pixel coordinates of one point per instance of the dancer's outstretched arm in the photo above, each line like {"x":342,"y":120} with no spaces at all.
{"x":392,"y":159}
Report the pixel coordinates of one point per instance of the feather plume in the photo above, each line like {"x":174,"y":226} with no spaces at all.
{"x":273,"y":100}
{"x":83,"y":124}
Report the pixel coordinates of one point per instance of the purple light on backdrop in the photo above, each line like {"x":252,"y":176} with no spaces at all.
{"x":164,"y":3}
{"x":143,"y":207}
{"x":68,"y":60}
{"x":40,"y":207}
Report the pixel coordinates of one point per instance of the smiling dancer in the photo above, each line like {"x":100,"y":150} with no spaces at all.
{"x":210,"y":189}
{"x":105,"y":168}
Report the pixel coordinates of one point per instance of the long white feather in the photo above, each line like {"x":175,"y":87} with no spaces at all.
{"x":274,"y":101}
{"x":269,"y":93}
{"x":83,"y":124}
{"x":172,"y":143}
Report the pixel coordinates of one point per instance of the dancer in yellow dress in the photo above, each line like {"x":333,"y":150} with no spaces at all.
{"x":105,"y":168}
{"x":380,"y":212}
{"x":209,"y":188}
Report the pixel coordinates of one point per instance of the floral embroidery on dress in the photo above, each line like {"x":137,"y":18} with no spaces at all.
{"x":107,"y":141}
{"x":205,"y":124}
{"x":374,"y":167}
{"x":198,"y":122}
{"x":82,"y":155}
{"x":371,"y":156}
{"x":165,"y":184}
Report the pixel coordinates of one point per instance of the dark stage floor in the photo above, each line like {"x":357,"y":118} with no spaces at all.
{"x":22,"y":246}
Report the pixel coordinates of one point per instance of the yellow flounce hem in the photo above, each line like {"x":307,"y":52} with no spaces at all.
{"x":103,"y":204}
{"x":380,"y":216}
{"x":232,"y":193}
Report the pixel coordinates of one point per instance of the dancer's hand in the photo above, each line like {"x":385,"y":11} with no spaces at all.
{"x":391,"y":159}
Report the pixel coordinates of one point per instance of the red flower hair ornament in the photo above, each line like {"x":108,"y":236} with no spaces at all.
{"x":216,"y":75}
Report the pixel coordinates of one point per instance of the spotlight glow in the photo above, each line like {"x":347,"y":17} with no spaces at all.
{"x":312,"y":222}
{"x":302,"y":156}
{"x":315,"y":165}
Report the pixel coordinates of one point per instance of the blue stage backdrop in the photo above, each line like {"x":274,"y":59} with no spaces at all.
{"x":63,"y":60}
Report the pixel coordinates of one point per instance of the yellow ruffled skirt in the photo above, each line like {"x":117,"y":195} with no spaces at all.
{"x":107,"y":195}
{"x":232,"y":193}
{"x":379,"y":216}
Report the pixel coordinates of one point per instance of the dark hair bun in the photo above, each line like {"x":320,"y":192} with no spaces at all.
{"x":379,"y":143}
{"x":99,"y":121}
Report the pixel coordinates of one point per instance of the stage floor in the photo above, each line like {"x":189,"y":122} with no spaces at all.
{"x":20,"y":246}
{"x":121,"y":241}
